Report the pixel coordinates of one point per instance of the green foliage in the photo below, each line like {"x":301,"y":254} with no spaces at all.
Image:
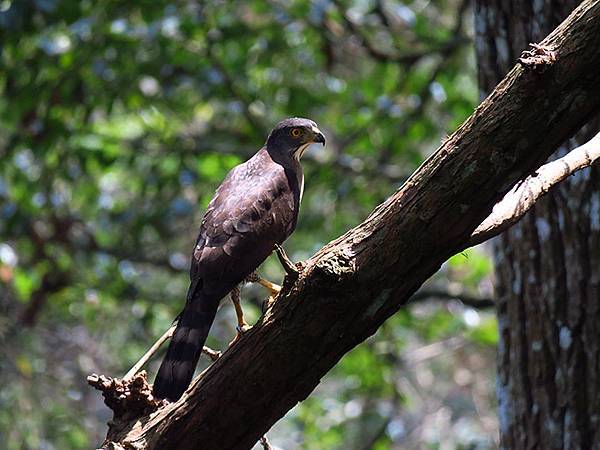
{"x":471,"y":266}
{"x":486,"y":333}
{"x":118,"y":120}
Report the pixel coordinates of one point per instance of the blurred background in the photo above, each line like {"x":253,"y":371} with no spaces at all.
{"x":118,"y":120}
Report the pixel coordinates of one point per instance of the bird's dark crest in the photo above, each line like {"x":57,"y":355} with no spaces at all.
{"x":295,"y":122}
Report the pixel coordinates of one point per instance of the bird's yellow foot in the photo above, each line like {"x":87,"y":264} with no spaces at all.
{"x":241,"y":330}
{"x":268,"y":302}
{"x":273,"y":289}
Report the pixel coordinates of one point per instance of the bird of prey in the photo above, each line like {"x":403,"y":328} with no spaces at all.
{"x":253,"y":211}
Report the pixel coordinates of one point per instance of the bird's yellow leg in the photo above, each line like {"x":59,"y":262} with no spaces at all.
{"x":272,"y":287}
{"x":242,"y":325}
{"x":235,"y":298}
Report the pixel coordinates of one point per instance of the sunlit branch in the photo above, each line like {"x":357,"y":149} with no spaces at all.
{"x":523,"y":196}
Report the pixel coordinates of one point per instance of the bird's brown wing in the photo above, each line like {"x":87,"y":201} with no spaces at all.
{"x":254,"y":208}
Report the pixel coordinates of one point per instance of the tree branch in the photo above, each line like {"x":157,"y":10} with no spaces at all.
{"x":467,"y":300}
{"x":352,"y":285}
{"x":523,"y":196}
{"x":407,"y":59}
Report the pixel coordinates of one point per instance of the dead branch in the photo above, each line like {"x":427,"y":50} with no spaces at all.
{"x":523,"y":196}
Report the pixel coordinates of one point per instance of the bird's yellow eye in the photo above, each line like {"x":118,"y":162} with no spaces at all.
{"x":296,"y":132}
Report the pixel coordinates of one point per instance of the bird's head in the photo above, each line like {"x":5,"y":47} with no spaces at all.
{"x":291,"y":137}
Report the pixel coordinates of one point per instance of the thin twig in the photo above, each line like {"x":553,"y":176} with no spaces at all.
{"x":467,"y":300}
{"x":433,"y":350}
{"x":289,"y":267}
{"x":212,"y":354}
{"x":144,"y":359}
{"x":408,"y":59}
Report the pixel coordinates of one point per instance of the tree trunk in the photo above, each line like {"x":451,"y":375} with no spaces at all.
{"x":548,"y":271}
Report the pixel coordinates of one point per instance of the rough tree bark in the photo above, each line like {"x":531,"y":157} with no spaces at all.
{"x":548,"y":271}
{"x":352,"y":285}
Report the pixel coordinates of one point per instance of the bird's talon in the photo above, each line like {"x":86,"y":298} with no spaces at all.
{"x":241,"y":329}
{"x":266,"y":304}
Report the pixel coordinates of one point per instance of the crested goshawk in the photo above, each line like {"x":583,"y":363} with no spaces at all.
{"x":253,"y":211}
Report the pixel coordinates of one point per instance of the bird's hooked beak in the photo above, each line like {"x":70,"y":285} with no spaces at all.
{"x":318,"y":137}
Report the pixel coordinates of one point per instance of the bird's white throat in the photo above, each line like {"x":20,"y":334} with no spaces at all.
{"x":300,"y":151}
{"x":300,"y":174}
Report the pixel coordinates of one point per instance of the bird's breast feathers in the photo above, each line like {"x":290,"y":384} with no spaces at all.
{"x":257,"y":198}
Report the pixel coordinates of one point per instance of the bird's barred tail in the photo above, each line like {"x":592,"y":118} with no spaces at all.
{"x":177,"y":369}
